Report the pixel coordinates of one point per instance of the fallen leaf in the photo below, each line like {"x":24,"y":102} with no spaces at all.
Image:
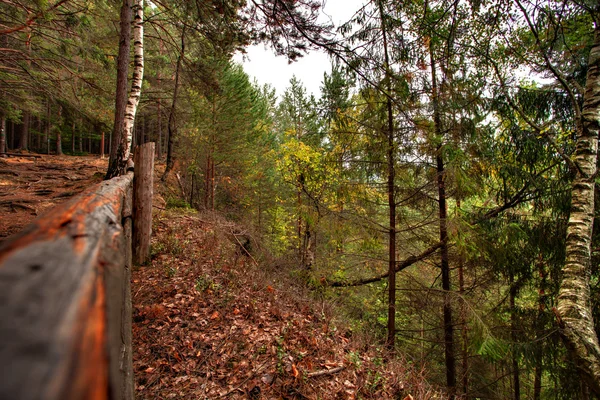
{"x":267,"y":379}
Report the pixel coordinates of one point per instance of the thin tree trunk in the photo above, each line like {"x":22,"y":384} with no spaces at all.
{"x":207,"y":182}
{"x":159,"y":129}
{"x":444,"y":261}
{"x":115,"y":167}
{"x":81,"y":141}
{"x":24,"y":140}
{"x":73,"y":138}
{"x":514,"y":338}
{"x":172,"y":126}
{"x":391,"y":178}
{"x":539,"y":328}
{"x":59,"y":151}
{"x":463,"y":321}
{"x":12,"y":134}
{"x":573,"y":304}
{"x":102,"y":145}
{"x":47,"y":128}
{"x":2,"y":133}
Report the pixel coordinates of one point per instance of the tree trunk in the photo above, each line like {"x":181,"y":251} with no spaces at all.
{"x":514,"y":338}
{"x":142,"y":202}
{"x":102,"y":145}
{"x":539,"y":328}
{"x":159,"y":129}
{"x":443,"y":218}
{"x":391,"y":193}
{"x":59,"y":151}
{"x":12,"y":135}
{"x":73,"y":138}
{"x":2,"y":133}
{"x":136,"y":82}
{"x":24,"y":140}
{"x":574,"y":311}
{"x":172,"y":126}
{"x":115,"y":163}
{"x":47,"y":128}
{"x":463,"y":321}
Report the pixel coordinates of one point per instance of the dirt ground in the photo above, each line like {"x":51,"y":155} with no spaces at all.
{"x":31,"y":184}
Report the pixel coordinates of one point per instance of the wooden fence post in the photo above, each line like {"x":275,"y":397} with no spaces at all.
{"x":142,"y":201}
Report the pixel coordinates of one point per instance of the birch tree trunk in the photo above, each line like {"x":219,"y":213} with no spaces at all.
{"x":573,"y":307}
{"x":136,"y":79}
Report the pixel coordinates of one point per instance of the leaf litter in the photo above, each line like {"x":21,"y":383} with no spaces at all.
{"x":209,"y":323}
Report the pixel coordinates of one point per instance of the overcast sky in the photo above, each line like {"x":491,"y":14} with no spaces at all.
{"x":263,"y":65}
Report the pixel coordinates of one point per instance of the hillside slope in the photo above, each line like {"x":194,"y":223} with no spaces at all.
{"x":210,"y":322}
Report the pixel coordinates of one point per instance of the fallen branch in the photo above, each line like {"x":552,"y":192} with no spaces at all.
{"x":400,"y":265}
{"x":244,"y":248}
{"x":324,"y":372}
{"x":181,"y":185}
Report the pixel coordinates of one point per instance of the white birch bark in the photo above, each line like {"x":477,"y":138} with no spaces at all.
{"x":574,"y":307}
{"x":137,"y":77}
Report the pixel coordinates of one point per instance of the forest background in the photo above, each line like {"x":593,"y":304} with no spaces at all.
{"x":440,"y":188}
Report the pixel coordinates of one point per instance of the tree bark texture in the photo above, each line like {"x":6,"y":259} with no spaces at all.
{"x":115,"y":167}
{"x":142,"y":201}
{"x":573,"y":305}
{"x":171,"y":124}
{"x":391,"y":192}
{"x":136,"y":79}
{"x":443,"y":228}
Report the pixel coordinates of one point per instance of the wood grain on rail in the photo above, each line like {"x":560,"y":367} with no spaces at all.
{"x":63,"y":288}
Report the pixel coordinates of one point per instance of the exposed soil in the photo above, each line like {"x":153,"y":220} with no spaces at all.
{"x":32,"y":184}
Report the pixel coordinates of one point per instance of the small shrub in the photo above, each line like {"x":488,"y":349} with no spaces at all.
{"x":176,"y":202}
{"x":170,"y":271}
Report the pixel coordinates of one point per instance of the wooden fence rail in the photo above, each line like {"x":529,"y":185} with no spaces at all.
{"x":65,"y":300}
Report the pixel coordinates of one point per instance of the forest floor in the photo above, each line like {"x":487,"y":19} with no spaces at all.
{"x":30,"y":184}
{"x":210,"y":322}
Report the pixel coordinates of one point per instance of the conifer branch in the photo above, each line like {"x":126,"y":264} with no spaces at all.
{"x":31,"y":20}
{"x":400,"y":265}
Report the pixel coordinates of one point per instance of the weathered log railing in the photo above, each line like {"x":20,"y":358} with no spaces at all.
{"x":65,"y":300}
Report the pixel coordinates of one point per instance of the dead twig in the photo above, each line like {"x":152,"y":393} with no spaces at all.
{"x":324,"y":372}
{"x":239,"y":387}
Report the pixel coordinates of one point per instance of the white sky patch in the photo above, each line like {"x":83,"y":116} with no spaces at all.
{"x":262,"y":64}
